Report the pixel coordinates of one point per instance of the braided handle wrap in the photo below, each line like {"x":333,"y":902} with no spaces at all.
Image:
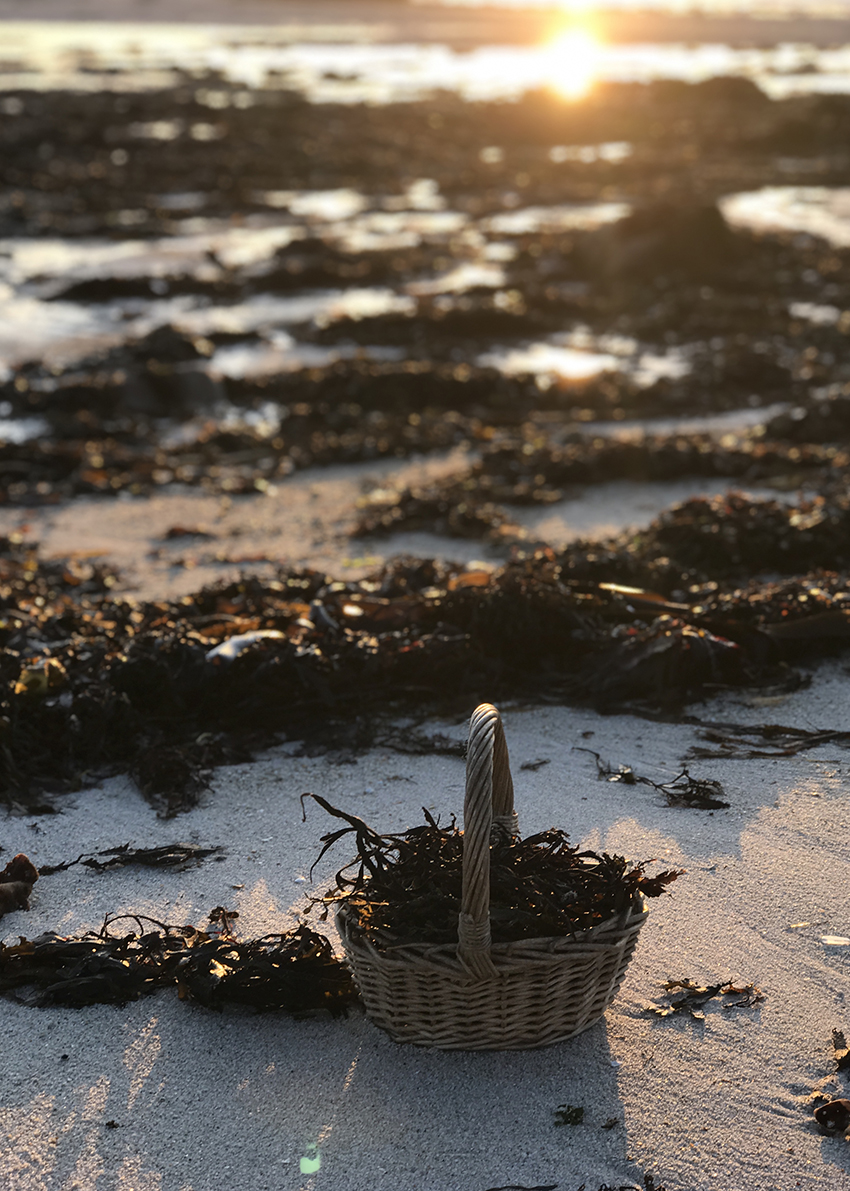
{"x":489,"y":799}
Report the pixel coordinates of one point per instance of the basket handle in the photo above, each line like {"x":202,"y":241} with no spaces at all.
{"x":489,"y":800}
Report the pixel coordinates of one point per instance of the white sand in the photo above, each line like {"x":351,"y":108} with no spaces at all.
{"x":235,"y":1100}
{"x":304,"y":522}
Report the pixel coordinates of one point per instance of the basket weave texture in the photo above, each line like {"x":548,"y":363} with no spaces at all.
{"x":475,"y":995}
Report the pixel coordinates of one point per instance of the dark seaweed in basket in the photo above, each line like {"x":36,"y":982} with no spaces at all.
{"x":407,"y":888}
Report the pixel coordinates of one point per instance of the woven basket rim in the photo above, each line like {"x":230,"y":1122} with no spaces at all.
{"x":607,"y":933}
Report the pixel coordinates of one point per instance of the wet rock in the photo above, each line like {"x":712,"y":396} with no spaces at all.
{"x":669,"y":240}
{"x":825,"y":418}
{"x":833,"y":1117}
{"x":16,"y":882}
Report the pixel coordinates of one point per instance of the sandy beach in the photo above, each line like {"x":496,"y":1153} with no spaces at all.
{"x":162,"y":1094}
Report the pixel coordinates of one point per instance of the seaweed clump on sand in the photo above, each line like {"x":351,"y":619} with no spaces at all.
{"x":106,"y":435}
{"x":295,"y":971}
{"x":94,"y":683}
{"x":406,"y":888}
{"x":522,"y":474}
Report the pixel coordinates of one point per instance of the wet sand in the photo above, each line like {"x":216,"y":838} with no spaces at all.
{"x":310,"y":521}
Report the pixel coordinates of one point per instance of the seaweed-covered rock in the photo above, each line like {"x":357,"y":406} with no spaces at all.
{"x":671,"y":658}
{"x":735,"y":535}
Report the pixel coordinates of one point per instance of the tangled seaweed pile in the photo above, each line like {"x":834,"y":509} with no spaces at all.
{"x":94,"y":683}
{"x":532,"y":471}
{"x":407,"y":888}
{"x":671,"y":276}
{"x":106,"y":419}
{"x":295,"y":971}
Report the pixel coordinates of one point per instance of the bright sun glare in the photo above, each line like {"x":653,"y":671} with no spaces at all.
{"x":572,"y":62}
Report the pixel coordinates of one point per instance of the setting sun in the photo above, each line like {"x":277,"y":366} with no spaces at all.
{"x":572,"y":61}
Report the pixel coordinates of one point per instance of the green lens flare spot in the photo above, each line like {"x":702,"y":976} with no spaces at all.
{"x":311,"y":1163}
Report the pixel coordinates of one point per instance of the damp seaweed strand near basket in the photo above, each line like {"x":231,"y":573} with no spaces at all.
{"x":479,"y":939}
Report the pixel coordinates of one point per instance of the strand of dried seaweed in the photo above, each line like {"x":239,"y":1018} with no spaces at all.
{"x":681,"y":790}
{"x":177,"y":856}
{"x":746,"y":741}
{"x":295,"y":971}
{"x":686,"y":996}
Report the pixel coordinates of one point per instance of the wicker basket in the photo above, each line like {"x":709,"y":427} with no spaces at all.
{"x":473,"y":995}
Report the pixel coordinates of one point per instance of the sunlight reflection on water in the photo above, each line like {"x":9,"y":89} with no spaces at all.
{"x":569,"y":217}
{"x":285,"y":354}
{"x":104,"y":56}
{"x":33,"y":272}
{"x":579,"y":355}
{"x":816,"y":210}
